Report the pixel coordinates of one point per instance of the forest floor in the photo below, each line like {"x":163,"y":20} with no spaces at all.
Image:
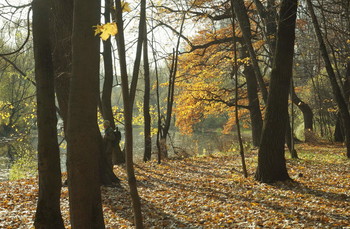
{"x":211,"y":192}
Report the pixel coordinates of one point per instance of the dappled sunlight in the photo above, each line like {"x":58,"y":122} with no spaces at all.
{"x":211,"y":192}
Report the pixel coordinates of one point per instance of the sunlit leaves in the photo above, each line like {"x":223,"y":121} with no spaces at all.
{"x":106,"y":30}
{"x":17,"y":105}
{"x":204,"y":82}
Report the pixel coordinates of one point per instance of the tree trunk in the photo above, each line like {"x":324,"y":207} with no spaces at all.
{"x":235,"y":75}
{"x":83,"y":142}
{"x":307,"y":115}
{"x":268,"y":15}
{"x":108,"y":70}
{"x":48,"y":213}
{"x":128,"y":104}
{"x":339,"y":130}
{"x":62,"y":53}
{"x":164,"y":128}
{"x":107,"y":176}
{"x":271,"y":160}
{"x":146,"y":114}
{"x":106,"y":103}
{"x":344,"y":112}
{"x":253,"y":98}
{"x":290,"y":140}
{"x":339,"y":127}
{"x":243,"y":19}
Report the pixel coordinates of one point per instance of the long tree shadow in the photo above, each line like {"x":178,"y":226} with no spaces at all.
{"x":302,"y":189}
{"x":119,"y":202}
{"x":168,"y":187}
{"x":235,"y":195}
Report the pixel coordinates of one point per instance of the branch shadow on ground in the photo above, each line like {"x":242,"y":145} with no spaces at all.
{"x":233,"y":192}
{"x":119,"y":202}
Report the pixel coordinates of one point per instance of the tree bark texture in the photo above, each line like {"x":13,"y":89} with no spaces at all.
{"x":62,"y":11}
{"x":83,"y":142}
{"x":271,"y":161}
{"x":48,"y":213}
{"x":341,"y":102}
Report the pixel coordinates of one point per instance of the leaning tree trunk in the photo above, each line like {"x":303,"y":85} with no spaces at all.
{"x":342,"y":104}
{"x":83,"y":143}
{"x":48,"y":213}
{"x":271,"y":160}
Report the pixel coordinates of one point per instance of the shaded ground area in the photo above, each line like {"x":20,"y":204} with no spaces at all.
{"x":210,"y":192}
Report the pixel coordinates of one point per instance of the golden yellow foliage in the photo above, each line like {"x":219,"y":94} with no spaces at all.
{"x":106,"y":30}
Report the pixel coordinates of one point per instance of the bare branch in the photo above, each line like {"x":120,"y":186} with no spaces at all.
{"x":25,"y":41}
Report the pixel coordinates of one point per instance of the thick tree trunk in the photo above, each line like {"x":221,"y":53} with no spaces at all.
{"x":48,"y":213}
{"x":344,"y":111}
{"x":271,"y":161}
{"x":253,"y":98}
{"x":83,"y":142}
{"x":62,"y":12}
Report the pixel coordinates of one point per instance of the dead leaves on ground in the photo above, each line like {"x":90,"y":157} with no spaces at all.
{"x":209,"y":192}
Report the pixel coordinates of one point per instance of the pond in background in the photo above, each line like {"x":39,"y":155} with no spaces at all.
{"x":18,"y":159}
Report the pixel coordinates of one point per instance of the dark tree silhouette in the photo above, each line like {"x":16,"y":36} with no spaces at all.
{"x":271,"y":161}
{"x":82,"y":129}
{"x":48,"y":213}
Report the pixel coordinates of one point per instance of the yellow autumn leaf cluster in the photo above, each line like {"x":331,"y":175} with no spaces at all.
{"x":106,"y":30}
